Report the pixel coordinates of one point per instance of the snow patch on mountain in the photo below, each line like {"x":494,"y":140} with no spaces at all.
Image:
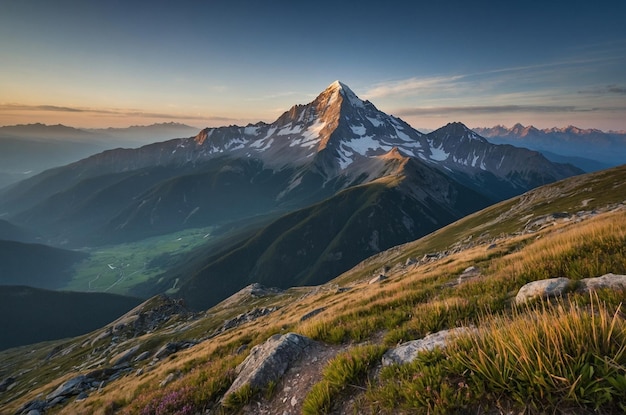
{"x":438,"y":154}
{"x":359,"y":130}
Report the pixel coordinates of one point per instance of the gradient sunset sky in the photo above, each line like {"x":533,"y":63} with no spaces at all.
{"x":213,"y":63}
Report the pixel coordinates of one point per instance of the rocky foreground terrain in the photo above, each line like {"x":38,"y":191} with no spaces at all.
{"x":381,"y":338}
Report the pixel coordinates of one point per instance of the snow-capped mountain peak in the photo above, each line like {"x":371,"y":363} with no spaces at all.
{"x":345,"y":91}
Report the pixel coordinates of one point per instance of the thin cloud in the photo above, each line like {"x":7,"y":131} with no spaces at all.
{"x":412,"y":85}
{"x":497,"y":109}
{"x":113,"y":112}
{"x":617,"y":89}
{"x":490,"y":81}
{"x":605,"y":90}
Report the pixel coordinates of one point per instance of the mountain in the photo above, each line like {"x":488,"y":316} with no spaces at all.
{"x":11,"y":232}
{"x":334,"y":342}
{"x":354,"y":178}
{"x":590,"y":145}
{"x":314,"y":244}
{"x":500,"y":171}
{"x":26,"y":150}
{"x":145,"y":134}
{"x":32,"y":315}
{"x":51,"y":269}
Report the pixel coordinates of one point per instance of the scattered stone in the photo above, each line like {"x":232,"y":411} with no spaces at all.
{"x":468,"y":273}
{"x":124,"y":357}
{"x":82,"y":396}
{"x":294,"y":401}
{"x":73,"y":386}
{"x":269,"y":361}
{"x":168,"y":379}
{"x":257,"y":290}
{"x":244,"y":318}
{"x":407,"y":352}
{"x":32,"y":407}
{"x":142,"y":356}
{"x":312,"y":313}
{"x":146,"y":317}
{"x":4,"y":385}
{"x":551,"y":287}
{"x":173,"y":347}
{"x":379,"y":278}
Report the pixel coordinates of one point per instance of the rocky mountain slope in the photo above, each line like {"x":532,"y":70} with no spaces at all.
{"x":308,"y":154}
{"x":326,"y":185}
{"x":589,"y":148}
{"x":328,"y":348}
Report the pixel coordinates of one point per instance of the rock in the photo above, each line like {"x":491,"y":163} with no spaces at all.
{"x":4,"y":385}
{"x":82,"y":396}
{"x":244,"y":318}
{"x":378,"y":279}
{"x":468,"y":273}
{"x":124,"y":357}
{"x":407,"y":352}
{"x":168,"y":379}
{"x":609,"y":281}
{"x":551,"y":287}
{"x":142,"y":356}
{"x":258,"y":290}
{"x":172,"y":347}
{"x":269,"y":361}
{"x":33,"y":407}
{"x":73,"y":386}
{"x":312,"y":313}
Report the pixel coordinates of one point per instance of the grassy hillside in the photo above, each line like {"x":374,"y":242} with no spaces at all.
{"x":314,"y":244}
{"x":560,"y":356}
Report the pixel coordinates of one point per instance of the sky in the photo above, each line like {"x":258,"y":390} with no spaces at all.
{"x":213,"y":63}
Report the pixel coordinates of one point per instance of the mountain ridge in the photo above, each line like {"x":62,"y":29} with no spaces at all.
{"x":314,"y":162}
{"x":599,"y":146}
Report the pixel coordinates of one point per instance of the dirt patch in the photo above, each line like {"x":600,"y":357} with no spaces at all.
{"x":291,"y":390}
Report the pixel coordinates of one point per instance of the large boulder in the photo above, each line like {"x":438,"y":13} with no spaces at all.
{"x":552,"y":287}
{"x":607,"y":281}
{"x":407,"y":352}
{"x":269,"y":361}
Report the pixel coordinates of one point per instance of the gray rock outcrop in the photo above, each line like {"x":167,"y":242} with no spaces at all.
{"x":269,"y":361}
{"x":377,"y":279}
{"x":607,"y":281}
{"x":407,"y":352}
{"x":468,"y":274}
{"x":552,"y":287}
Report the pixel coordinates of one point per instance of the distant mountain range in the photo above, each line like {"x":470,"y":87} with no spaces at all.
{"x":326,"y":185}
{"x":26,"y":150}
{"x":589,"y":149}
